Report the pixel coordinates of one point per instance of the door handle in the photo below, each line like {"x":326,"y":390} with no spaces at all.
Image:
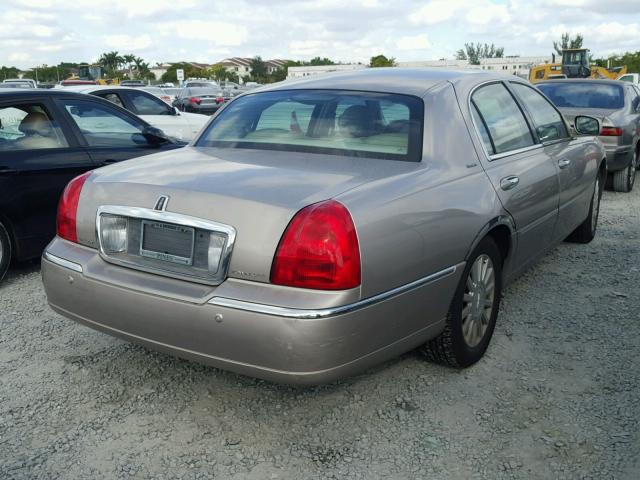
{"x":7,"y":171}
{"x":507,"y":183}
{"x":564,"y":162}
{"x":108,"y":161}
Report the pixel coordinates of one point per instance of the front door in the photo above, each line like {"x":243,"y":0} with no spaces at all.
{"x":519,"y":168}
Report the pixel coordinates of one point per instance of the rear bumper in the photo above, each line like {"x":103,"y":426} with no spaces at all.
{"x":618,"y":157}
{"x":288,"y":345}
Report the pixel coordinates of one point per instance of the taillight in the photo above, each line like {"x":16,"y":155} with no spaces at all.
{"x":194,"y":100}
{"x":319,"y":250}
{"x":68,"y":208}
{"x":611,"y":131}
{"x":219,"y":100}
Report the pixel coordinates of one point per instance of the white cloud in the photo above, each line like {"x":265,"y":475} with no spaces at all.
{"x":218,"y":33}
{"x":415,"y":42}
{"x":436,"y":11}
{"x":128,"y":42}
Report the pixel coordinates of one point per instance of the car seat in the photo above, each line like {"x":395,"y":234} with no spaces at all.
{"x":38,"y":132}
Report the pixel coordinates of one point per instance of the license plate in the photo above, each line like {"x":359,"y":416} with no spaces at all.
{"x":167,"y":242}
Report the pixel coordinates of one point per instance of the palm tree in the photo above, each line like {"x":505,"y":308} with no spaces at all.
{"x":129,"y":59}
{"x":110,"y":61}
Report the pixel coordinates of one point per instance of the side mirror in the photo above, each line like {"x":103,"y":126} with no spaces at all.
{"x":173,"y":111}
{"x":586,"y":125}
{"x":155,"y":136}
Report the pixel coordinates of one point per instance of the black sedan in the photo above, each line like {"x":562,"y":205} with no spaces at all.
{"x":205,"y":100}
{"x":47,"y":137}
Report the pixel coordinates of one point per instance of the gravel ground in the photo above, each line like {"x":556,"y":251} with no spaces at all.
{"x":557,"y":395}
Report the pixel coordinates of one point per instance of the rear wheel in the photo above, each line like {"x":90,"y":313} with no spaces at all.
{"x":624,"y":179}
{"x":472,"y":315}
{"x":587,"y":229}
{"x":5,"y":251}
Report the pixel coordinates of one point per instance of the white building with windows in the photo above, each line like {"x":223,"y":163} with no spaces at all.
{"x":315,"y":70}
{"x":519,"y":66}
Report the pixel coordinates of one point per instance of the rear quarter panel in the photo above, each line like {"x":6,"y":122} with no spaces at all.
{"x":425,"y":220}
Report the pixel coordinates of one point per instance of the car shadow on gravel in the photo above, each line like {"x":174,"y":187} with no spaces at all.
{"x":20,"y":269}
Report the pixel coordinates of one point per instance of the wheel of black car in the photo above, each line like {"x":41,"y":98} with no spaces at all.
{"x":473,"y":311}
{"x":624,"y":179}
{"x":587,"y":229}
{"x":5,"y":251}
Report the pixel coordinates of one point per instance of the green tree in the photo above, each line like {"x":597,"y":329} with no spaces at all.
{"x":567,"y":42}
{"x":382,"y":61}
{"x":320,"y":61}
{"x":258,"y":70}
{"x":9,"y":72}
{"x":474,"y":53}
{"x":189,"y":72}
{"x":630,"y":59}
{"x":218,"y":72}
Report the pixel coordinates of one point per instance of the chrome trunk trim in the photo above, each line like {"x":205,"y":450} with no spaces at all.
{"x":308,"y":314}
{"x":178,"y":219}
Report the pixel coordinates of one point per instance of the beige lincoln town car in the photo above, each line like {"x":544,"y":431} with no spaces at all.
{"x":316,"y":228}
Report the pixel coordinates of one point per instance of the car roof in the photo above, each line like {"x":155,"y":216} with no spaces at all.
{"x":598,"y":81}
{"x":407,"y":81}
{"x":96,"y":88}
{"x":37,"y":92}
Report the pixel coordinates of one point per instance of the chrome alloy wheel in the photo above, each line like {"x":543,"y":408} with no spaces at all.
{"x":596,"y":205}
{"x":477,"y":302}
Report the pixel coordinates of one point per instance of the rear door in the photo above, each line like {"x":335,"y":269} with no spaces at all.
{"x":108,"y":133}
{"x":575,"y":162}
{"x":38,"y":157}
{"x":522,"y":172}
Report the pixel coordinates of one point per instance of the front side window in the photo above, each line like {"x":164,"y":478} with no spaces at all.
{"x":335,"y":122}
{"x":502,"y":117}
{"x":146,"y":104}
{"x":549,"y":124}
{"x":102,"y":126}
{"x":29,"y":126}
{"x":583,"y":94}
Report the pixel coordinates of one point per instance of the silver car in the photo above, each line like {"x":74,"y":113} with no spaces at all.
{"x":617,"y":105}
{"x":320,"y":227}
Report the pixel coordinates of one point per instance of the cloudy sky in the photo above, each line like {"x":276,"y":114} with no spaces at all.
{"x":34,"y":32}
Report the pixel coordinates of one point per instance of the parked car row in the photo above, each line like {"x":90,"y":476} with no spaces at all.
{"x":315,"y":228}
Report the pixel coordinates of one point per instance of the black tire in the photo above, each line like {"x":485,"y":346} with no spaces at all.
{"x":586,"y":231}
{"x":450,"y":347}
{"x":624,"y":179}
{"x":5,"y":251}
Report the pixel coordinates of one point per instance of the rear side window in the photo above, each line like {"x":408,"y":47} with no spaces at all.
{"x":507,"y":128}
{"x":146,"y":104}
{"x":584,"y":94}
{"x":549,"y":124}
{"x":29,"y":126}
{"x":334,"y":122}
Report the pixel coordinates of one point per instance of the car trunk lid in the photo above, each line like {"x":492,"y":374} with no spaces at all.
{"x":256,"y":192}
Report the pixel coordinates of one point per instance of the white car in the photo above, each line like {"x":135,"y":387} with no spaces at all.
{"x":180,"y":125}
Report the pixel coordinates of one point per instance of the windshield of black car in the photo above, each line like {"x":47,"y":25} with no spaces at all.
{"x":584,"y":94}
{"x":335,"y":122}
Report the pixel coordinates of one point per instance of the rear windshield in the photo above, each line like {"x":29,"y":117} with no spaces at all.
{"x":202,"y":91}
{"x":584,"y":95}
{"x":360,"y":124}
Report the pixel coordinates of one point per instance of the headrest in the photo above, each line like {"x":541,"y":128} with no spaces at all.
{"x":357,"y":121}
{"x":35,"y":123}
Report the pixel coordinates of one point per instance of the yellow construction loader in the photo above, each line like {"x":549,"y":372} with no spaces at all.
{"x":91,"y":73}
{"x":575,"y":64}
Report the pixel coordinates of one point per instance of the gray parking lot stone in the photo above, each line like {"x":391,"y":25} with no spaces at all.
{"x":555,"y":397}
